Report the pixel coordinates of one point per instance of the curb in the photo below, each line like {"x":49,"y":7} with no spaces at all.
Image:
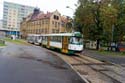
{"x":84,"y":79}
{"x":102,"y":61}
{"x":2,"y":47}
{"x":77,"y":73}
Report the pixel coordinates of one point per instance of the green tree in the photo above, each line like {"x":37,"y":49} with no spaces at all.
{"x":69,"y":24}
{"x":88,"y":14}
{"x":101,"y":20}
{"x":119,"y":31}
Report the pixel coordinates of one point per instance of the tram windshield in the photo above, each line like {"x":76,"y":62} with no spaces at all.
{"x":76,"y":40}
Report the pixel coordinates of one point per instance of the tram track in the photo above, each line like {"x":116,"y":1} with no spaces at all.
{"x":94,"y":71}
{"x":95,"y":65}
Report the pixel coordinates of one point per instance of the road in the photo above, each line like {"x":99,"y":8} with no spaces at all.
{"x":113,"y":59}
{"x":33,"y":64}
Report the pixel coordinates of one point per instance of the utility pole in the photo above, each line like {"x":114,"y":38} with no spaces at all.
{"x":112,"y":32}
{"x":72,"y":18}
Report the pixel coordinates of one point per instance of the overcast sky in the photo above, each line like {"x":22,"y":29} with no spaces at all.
{"x":46,"y":5}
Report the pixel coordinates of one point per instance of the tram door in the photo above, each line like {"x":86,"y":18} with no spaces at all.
{"x":65,"y":44}
{"x":48,"y":42}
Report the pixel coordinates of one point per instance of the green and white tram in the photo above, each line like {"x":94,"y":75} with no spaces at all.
{"x":68,"y":43}
{"x":30,"y":38}
{"x":34,"y":39}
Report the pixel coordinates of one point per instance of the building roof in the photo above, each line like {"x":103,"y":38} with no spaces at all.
{"x":37,"y":14}
{"x":47,"y":15}
{"x":64,"y":19}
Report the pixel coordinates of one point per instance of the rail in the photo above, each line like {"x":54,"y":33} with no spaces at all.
{"x":92,"y":70}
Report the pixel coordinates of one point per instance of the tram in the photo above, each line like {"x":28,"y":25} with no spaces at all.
{"x":68,"y":43}
{"x":34,"y":39}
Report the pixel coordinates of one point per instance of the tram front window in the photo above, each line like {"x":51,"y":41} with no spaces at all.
{"x":76,"y":40}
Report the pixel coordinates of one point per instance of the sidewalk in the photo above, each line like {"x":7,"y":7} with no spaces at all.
{"x":102,"y":57}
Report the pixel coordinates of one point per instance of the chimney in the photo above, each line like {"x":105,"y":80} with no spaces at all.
{"x":36,"y":11}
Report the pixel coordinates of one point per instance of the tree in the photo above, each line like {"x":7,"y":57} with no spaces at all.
{"x":88,"y":14}
{"x":101,"y":20}
{"x":120,"y":25}
{"x":69,"y":24}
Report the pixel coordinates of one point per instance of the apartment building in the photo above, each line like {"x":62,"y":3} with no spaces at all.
{"x":39,"y":22}
{"x":1,"y":24}
{"x":13,"y":14}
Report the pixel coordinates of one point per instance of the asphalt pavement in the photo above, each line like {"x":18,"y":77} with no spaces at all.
{"x":33,"y":64}
{"x":107,"y":58}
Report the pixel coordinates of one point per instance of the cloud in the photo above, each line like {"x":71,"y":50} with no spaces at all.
{"x":46,"y":5}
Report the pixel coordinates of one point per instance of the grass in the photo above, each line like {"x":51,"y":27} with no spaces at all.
{"x":17,"y":41}
{"x":110,"y":53}
{"x":2,"y":45}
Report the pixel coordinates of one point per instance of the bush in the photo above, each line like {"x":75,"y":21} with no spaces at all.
{"x":2,"y":41}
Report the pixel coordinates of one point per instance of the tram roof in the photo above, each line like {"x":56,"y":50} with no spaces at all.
{"x":63,"y":34}
{"x":33,"y":34}
{"x":59,"y":34}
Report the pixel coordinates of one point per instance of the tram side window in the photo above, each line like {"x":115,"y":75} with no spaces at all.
{"x":71,"y":40}
{"x":41,"y":37}
{"x":44,"y":38}
{"x":59,"y":39}
{"x":38,"y":37}
{"x":51,"y":38}
{"x":76,"y":40}
{"x":56,"y":38}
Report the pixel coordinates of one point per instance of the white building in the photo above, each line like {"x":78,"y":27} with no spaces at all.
{"x":1,"y":24}
{"x":2,"y":33}
{"x":13,"y":14}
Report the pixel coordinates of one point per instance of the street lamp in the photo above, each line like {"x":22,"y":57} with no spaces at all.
{"x":16,"y":34}
{"x":9,"y":29}
{"x":72,"y":18}
{"x":70,"y":8}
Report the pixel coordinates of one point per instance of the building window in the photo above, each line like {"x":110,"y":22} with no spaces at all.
{"x":58,"y":24}
{"x":46,"y":21}
{"x":56,"y":17}
{"x":43,"y":22}
{"x":37,"y":22}
{"x":6,"y":9}
{"x":6,"y":5}
{"x":57,"y":31}
{"x":41,"y":30}
{"x":45,"y":30}
{"x":55,"y":24}
{"x":53,"y":30}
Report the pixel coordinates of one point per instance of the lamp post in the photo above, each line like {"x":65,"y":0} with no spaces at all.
{"x":72,"y":18}
{"x":70,"y":8}
{"x":16,"y":33}
{"x":9,"y":30}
